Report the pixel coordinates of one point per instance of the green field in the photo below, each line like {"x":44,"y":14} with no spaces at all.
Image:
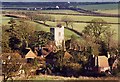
{"x":85,"y":18}
{"x":115,"y":11}
{"x":39,"y":27}
{"x":60,"y":11}
{"x":4,"y":19}
{"x":76,"y":26}
{"x":99,"y":6}
{"x":76,"y":17}
{"x":80,"y":26}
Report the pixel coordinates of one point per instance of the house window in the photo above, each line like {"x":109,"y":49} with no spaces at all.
{"x":29,"y":60}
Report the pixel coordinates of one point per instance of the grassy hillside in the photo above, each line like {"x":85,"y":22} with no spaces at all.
{"x":76,"y":26}
{"x":114,"y":11}
{"x":85,"y":18}
{"x":59,"y":11}
{"x":39,"y":27}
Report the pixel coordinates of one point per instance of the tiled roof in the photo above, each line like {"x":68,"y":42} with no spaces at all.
{"x":67,"y":55}
{"x":30,"y":54}
{"x":103,"y":61}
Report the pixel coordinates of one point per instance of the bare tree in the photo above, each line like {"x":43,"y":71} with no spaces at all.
{"x":44,"y":18}
{"x":67,"y":20}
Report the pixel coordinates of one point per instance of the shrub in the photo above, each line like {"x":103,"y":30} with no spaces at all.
{"x":72,"y":69}
{"x":116,"y":71}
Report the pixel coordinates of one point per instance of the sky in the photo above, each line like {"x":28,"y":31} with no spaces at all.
{"x":59,"y":0}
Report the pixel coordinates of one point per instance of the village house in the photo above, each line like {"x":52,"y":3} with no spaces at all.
{"x":51,"y":59}
{"x":113,"y":62}
{"x":29,"y":55}
{"x":45,"y":50}
{"x":97,"y":65}
{"x":102,"y":63}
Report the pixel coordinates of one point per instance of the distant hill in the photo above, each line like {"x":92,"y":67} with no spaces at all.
{"x":87,"y":5}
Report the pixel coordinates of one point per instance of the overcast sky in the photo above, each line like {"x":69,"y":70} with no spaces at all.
{"x":59,"y":0}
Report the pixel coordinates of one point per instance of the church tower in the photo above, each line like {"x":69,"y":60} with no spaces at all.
{"x":58,"y":36}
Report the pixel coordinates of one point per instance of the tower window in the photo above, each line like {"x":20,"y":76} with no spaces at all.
{"x":59,"y":33}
